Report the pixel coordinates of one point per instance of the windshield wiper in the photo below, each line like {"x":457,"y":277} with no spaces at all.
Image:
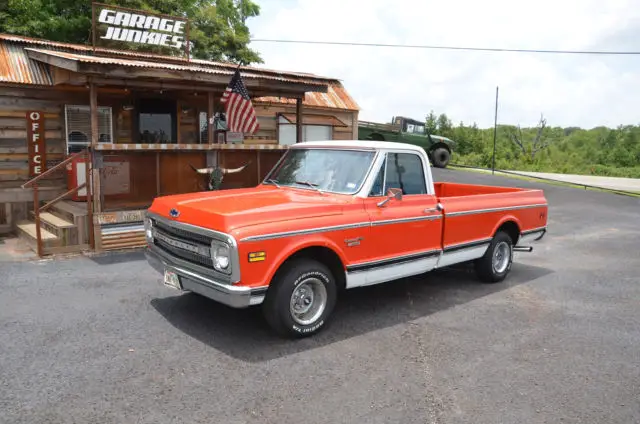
{"x":310,"y":184}
{"x":274,"y":182}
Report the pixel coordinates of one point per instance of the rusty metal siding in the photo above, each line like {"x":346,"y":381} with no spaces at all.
{"x":16,"y":67}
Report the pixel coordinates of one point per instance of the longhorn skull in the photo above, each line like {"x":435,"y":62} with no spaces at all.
{"x":216,"y":174}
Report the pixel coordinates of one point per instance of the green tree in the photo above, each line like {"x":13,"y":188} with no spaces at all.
{"x":218,"y":29}
{"x":445,"y":126}
{"x":431,"y":123}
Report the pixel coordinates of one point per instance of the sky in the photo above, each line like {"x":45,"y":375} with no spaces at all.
{"x":570,"y":90}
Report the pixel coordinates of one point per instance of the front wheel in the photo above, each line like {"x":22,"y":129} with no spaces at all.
{"x":300,"y":299}
{"x":440,"y":157}
{"x":494,"y":266}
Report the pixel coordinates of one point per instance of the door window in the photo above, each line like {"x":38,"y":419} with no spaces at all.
{"x":403,"y":171}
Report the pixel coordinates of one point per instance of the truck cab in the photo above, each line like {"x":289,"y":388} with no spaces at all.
{"x":331,"y":216}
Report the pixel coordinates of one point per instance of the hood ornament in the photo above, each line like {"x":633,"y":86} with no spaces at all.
{"x":174,"y":213}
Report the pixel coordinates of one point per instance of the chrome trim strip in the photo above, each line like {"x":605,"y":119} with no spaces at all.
{"x":306,"y":232}
{"x":403,"y":220}
{"x":271,"y":236}
{"x":509,"y":208}
{"x":220,"y":236}
{"x":397,"y":260}
{"x":466,"y":245}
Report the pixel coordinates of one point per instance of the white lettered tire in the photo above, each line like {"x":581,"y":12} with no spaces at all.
{"x":300,"y":299}
{"x":496,"y":263}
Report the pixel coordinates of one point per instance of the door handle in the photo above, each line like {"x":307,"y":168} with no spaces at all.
{"x":438,"y":208}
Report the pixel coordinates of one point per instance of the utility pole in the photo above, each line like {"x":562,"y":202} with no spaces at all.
{"x":495,"y":132}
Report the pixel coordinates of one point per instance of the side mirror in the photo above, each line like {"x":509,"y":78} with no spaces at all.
{"x":392,"y":193}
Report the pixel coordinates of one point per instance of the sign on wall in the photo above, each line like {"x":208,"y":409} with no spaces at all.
{"x":37,"y":146}
{"x":132,"y":29}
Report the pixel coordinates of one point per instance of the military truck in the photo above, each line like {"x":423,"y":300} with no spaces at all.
{"x":407,"y":130}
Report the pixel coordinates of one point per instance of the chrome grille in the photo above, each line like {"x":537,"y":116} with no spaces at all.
{"x":184,"y":254}
{"x":183,"y":244}
{"x":179,"y":233}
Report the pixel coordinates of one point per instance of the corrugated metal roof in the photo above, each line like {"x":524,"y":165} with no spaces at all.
{"x":98,"y":51}
{"x":336,"y":97}
{"x":16,"y":67}
{"x":172,"y":66}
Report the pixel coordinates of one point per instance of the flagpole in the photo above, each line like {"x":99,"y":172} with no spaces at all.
{"x":495,"y":131}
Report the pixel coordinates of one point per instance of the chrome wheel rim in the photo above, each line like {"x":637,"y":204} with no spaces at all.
{"x":308,"y":301}
{"x":501,"y":256}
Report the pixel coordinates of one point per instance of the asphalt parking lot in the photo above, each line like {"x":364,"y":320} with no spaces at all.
{"x":100,"y":340}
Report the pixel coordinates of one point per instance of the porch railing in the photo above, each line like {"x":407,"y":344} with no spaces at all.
{"x":37,"y":209}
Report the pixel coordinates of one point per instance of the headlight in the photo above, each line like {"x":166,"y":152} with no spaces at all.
{"x":148,"y":229}
{"x":220,"y":256}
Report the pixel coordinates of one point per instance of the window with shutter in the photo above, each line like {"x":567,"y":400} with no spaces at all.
{"x":78,"y":126}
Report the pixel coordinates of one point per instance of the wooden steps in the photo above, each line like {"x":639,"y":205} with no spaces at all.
{"x":27,"y":232}
{"x":63,"y":228}
{"x":56,"y":221}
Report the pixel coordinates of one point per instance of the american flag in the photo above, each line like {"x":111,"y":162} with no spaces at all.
{"x":241,"y":117}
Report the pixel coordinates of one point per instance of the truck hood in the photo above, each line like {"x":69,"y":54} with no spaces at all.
{"x":227,"y":210}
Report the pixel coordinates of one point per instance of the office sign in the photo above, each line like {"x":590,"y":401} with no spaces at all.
{"x":36,"y":143}
{"x":119,"y":27}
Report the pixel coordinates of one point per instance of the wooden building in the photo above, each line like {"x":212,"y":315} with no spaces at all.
{"x":143,"y":122}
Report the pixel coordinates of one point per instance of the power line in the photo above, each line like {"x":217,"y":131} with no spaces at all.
{"x":485,"y":49}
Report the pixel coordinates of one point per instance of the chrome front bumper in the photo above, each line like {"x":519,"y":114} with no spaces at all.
{"x":234,"y":296}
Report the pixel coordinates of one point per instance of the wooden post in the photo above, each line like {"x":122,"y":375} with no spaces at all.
{"x":298,"y":120}
{"x":210,"y":127}
{"x":94,"y":183}
{"x":93,"y":106}
{"x":36,"y":215}
{"x":88,"y":187}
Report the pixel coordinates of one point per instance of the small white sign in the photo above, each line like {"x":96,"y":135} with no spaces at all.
{"x":235,"y":137}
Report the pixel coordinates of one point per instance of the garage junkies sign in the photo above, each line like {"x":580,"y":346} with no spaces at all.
{"x":117,"y":25}
{"x":35,"y":138}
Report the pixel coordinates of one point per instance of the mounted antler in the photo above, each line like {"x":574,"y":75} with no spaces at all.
{"x":224,"y":170}
{"x":216,"y":174}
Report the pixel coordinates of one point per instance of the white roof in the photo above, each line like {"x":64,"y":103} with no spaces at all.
{"x":362,"y":144}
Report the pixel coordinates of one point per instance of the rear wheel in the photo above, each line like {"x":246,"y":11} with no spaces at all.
{"x":300,"y":299}
{"x":440,"y":157}
{"x":494,"y":266}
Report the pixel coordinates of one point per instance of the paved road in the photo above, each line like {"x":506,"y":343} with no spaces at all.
{"x":101,"y":341}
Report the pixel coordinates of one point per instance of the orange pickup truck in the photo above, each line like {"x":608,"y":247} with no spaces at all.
{"x":330,"y":216}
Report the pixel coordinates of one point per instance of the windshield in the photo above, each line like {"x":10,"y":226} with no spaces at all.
{"x":338,"y":171}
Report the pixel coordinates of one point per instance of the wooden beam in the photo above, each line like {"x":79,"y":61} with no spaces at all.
{"x":60,"y":62}
{"x":93,"y":175}
{"x":210,"y":111}
{"x":298,"y":120}
{"x":93,"y":106}
{"x":132,"y":73}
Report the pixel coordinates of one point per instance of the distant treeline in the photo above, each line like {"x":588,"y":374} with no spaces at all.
{"x":597,"y":151}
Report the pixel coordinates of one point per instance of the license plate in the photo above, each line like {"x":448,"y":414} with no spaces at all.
{"x":172,"y":280}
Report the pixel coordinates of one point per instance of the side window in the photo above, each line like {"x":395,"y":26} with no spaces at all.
{"x":404,"y":171}
{"x":378,"y":183}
